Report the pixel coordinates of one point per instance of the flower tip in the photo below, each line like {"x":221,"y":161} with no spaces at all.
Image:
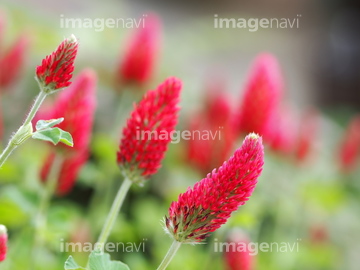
{"x":176,"y":82}
{"x":72,"y":39}
{"x":253,"y":136}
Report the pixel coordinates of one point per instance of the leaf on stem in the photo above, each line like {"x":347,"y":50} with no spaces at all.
{"x":101,"y":261}
{"x":44,"y":124}
{"x":70,"y":264}
{"x":97,"y":261}
{"x":46,"y":132}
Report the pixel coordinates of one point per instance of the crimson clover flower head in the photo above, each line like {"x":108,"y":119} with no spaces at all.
{"x":148,"y":131}
{"x":55,"y":71}
{"x":3,"y":242}
{"x":206,"y":206}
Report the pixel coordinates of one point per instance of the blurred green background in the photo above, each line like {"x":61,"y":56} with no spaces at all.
{"x":314,"y":204}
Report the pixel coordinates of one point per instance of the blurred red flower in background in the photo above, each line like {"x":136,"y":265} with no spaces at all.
{"x":261,"y":97}
{"x":319,"y":234}
{"x":139,"y":59}
{"x":238,"y":256}
{"x":308,"y":132}
{"x":210,"y":152}
{"x":284,"y":130}
{"x":350,"y":145}
{"x":11,"y":59}
{"x":77,"y":105}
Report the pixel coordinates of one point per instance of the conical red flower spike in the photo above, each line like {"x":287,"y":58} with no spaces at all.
{"x":148,"y":131}
{"x":55,"y":71}
{"x":3,"y":242}
{"x":203,"y":208}
{"x":262,"y":96}
{"x":137,"y":65}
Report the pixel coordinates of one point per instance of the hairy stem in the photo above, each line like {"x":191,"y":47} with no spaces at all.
{"x":25,"y":131}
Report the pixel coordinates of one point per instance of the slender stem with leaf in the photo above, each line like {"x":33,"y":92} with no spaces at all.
{"x":169,"y":255}
{"x":25,"y":130}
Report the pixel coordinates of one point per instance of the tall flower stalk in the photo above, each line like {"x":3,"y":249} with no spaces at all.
{"x":54,"y":73}
{"x":144,"y":143}
{"x":203,"y":208}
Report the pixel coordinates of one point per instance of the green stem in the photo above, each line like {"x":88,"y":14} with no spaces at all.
{"x":114,"y":211}
{"x":48,"y":192}
{"x":35,"y":107}
{"x":169,"y":255}
{"x":45,"y":200}
{"x":25,"y":131}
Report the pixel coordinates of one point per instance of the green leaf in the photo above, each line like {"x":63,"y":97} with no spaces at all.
{"x":45,"y":124}
{"x":70,"y":264}
{"x":66,"y":138}
{"x":101,"y":261}
{"x":49,"y":135}
{"x":54,"y":135}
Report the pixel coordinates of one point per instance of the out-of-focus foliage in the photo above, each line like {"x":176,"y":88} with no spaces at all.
{"x":312,"y":205}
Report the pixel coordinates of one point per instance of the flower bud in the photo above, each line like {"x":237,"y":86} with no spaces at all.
{"x":55,"y":71}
